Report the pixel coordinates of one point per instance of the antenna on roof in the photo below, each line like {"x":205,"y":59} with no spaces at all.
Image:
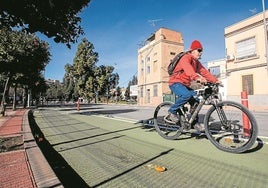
{"x":253,"y":11}
{"x":152,"y":22}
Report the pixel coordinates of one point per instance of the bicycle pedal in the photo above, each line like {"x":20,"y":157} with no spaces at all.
{"x":200,"y":135}
{"x":186,"y":127}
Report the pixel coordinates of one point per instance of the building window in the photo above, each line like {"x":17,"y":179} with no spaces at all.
{"x":141,"y":91}
{"x":142,"y":71}
{"x":172,"y":53}
{"x":247,"y":84}
{"x":216,"y":71}
{"x":148,"y":59}
{"x":246,"y":48}
{"x":142,"y":61}
{"x":148,"y":95}
{"x":155,"y":91}
{"x":148,"y":69}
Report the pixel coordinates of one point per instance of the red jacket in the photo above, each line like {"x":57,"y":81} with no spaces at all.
{"x":189,"y":69}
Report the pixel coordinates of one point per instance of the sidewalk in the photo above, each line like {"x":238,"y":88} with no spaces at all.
{"x":24,"y":166}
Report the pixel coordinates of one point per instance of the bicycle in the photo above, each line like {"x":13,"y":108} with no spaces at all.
{"x":229,"y":126}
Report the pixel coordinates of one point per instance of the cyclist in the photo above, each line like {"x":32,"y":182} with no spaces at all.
{"x":187,"y":70}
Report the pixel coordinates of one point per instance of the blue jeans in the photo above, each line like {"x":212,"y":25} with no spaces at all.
{"x":184,"y":94}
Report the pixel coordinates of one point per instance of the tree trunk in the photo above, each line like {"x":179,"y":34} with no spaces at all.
{"x":3,"y":102}
{"x":25,"y":97}
{"x":14,"y":97}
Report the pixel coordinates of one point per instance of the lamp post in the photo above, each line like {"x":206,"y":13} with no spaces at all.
{"x":116,"y":80}
{"x":265,"y":33}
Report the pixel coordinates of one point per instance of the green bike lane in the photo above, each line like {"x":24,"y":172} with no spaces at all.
{"x":109,"y":152}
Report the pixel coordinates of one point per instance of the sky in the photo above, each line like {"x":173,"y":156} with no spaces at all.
{"x":116,"y":28}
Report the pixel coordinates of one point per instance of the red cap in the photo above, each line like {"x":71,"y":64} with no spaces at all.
{"x":196,"y":45}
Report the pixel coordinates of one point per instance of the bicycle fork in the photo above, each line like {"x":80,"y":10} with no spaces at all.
{"x":224,"y":123}
{"x":222,"y":116}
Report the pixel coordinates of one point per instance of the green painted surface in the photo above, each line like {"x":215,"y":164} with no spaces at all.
{"x":107,"y":152}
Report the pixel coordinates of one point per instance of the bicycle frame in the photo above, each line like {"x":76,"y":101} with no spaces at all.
{"x":208,"y":94}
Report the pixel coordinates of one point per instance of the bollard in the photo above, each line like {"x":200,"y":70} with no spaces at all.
{"x":244,"y":100}
{"x":78,"y":104}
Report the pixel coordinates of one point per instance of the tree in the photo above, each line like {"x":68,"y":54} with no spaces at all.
{"x":54,"y":92}
{"x":37,"y":86}
{"x":54,"y":18}
{"x":106,"y":80}
{"x":69,"y":86}
{"x":84,"y":78}
{"x":84,"y":66}
{"x":134,"y":81}
{"x":22,"y":58}
{"x":22,"y":53}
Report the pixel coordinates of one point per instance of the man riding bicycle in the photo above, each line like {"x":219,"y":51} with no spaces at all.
{"x":187,"y":70}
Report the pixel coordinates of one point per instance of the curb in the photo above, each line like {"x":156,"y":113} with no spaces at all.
{"x":42,"y":173}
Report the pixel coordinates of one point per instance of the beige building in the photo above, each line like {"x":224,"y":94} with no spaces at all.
{"x":153,"y":59}
{"x":246,"y":60}
{"x":244,"y":69}
{"x":218,"y":69}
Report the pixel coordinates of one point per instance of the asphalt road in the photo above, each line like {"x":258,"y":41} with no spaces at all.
{"x":138,"y":113}
{"x":107,"y":146}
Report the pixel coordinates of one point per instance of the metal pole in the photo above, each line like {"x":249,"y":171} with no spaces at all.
{"x":29,"y":98}
{"x":244,"y":101}
{"x":78,"y":104}
{"x":265,"y":33}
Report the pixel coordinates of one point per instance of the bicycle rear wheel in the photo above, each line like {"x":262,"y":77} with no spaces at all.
{"x":165,"y":128}
{"x":231,"y":127}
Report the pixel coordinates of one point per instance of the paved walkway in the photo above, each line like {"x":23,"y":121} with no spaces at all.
{"x":109,"y":152}
{"x":25,"y":167}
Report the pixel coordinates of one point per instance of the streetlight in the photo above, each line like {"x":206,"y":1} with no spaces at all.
{"x":116,"y":80}
{"x":265,"y":32}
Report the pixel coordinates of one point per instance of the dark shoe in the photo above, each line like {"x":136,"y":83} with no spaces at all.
{"x":199,"y":127}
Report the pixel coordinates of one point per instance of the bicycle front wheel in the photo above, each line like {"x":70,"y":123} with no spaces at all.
{"x":231,"y":127}
{"x":165,"y":128}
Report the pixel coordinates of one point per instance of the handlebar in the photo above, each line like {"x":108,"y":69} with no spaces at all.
{"x":210,"y":84}
{"x":213,"y":84}
{"x":209,"y":89}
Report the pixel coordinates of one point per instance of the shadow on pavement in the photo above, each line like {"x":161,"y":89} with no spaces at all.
{"x":60,"y":167}
{"x":149,"y":124}
{"x":133,"y":168}
{"x":258,"y":147}
{"x":81,"y":109}
{"x":107,"y":112}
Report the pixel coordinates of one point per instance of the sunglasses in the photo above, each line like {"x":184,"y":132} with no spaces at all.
{"x":199,"y":50}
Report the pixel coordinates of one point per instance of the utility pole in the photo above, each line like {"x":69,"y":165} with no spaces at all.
{"x":265,"y":34}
